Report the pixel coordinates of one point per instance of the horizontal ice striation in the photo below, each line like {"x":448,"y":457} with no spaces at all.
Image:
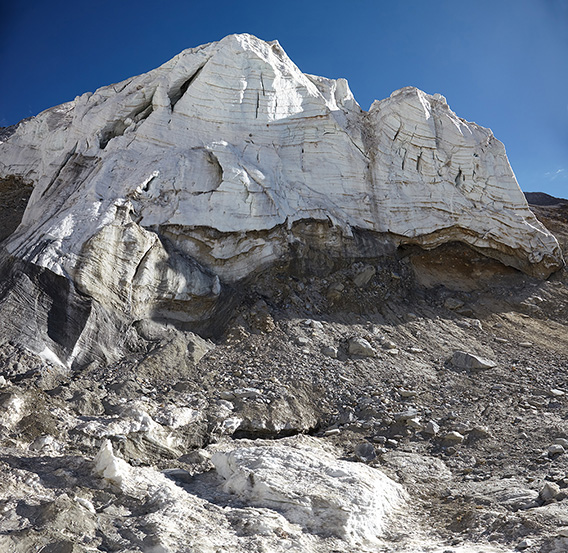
{"x":225,"y":158}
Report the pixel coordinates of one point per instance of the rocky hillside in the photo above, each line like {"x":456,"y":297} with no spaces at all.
{"x":553,"y":212}
{"x":241,"y":314}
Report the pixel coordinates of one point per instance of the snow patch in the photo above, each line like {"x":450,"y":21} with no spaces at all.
{"x":313,"y":489}
{"x":108,"y":466}
{"x":48,"y":355}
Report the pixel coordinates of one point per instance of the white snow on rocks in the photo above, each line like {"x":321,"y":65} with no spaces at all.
{"x":110,"y":467}
{"x":313,"y":489}
{"x":176,"y":520}
{"x":293,"y":495}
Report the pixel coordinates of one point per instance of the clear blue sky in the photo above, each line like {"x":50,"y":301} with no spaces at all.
{"x":500,"y":63}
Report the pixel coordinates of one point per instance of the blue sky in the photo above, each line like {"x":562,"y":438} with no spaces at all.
{"x":500,"y":63}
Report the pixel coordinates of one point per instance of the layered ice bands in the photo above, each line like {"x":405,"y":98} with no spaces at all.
{"x":232,"y":137}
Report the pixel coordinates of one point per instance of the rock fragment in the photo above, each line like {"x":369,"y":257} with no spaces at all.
{"x":516,"y":498}
{"x":363,"y":277}
{"x":464,"y":360}
{"x":454,"y":437}
{"x":549,"y":492}
{"x":432,"y":428}
{"x":480,"y":431}
{"x":463,"y":428}
{"x":247,"y":393}
{"x":360,"y":346}
{"x":415,"y":424}
{"x":330,"y":351}
{"x":407,"y":415}
{"x":453,"y":303}
{"x":332,"y":432}
{"x":365,"y":452}
{"x":555,"y":450}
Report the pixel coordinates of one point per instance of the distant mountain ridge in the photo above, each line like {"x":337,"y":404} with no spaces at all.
{"x":541,"y":198}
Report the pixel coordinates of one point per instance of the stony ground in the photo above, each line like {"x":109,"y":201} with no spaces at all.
{"x":359,"y":363}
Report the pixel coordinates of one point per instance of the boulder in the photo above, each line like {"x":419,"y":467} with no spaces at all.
{"x":360,"y":346}
{"x":464,"y":360}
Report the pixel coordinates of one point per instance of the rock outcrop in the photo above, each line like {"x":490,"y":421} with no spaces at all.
{"x":153,"y":194}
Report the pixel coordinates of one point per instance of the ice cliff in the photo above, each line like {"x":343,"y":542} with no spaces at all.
{"x":153,"y":194}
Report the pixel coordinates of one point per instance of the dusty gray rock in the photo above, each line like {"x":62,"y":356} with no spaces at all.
{"x":432,"y":428}
{"x":365,"y":452}
{"x":464,"y":360}
{"x":405,"y":416}
{"x":453,"y":437}
{"x":330,"y":351}
{"x":453,"y":303}
{"x":549,"y":492}
{"x":415,"y":468}
{"x":360,"y":346}
{"x":363,"y":277}
{"x":556,"y":449}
